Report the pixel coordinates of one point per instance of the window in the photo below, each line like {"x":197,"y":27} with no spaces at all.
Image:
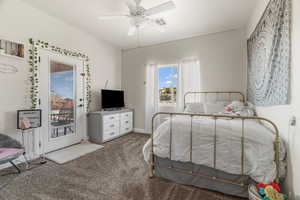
{"x":168,"y":79}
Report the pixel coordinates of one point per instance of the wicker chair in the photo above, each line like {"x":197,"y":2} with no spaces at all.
{"x":10,"y":150}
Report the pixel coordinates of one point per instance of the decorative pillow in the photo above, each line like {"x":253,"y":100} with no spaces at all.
{"x":194,"y":108}
{"x":234,"y":106}
{"x":239,"y":108}
{"x":213,"y":108}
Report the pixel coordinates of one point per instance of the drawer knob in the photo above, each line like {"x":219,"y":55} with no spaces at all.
{"x":112,"y":125}
{"x":112,"y":133}
{"x":127,"y":122}
{"x":111,"y":117}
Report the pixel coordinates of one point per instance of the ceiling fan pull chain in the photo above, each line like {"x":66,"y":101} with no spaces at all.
{"x":138,"y":36}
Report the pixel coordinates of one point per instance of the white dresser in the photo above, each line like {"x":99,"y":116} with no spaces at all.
{"x":107,"y":125}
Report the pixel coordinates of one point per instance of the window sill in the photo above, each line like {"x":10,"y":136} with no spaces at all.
{"x":167,"y":105}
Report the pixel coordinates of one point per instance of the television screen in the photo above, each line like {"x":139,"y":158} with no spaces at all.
{"x":112,"y":99}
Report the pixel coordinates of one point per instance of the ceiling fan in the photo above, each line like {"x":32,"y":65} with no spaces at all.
{"x":139,"y":17}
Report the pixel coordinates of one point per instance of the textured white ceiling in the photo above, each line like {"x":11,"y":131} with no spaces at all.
{"x":190,"y":18}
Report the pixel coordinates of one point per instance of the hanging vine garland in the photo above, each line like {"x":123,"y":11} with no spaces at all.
{"x":34,"y":63}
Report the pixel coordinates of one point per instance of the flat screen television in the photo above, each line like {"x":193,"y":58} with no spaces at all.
{"x":112,"y":99}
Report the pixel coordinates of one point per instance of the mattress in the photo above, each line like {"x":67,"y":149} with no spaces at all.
{"x":258,"y":144}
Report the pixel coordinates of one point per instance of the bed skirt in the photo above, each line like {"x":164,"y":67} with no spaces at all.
{"x":178,"y":175}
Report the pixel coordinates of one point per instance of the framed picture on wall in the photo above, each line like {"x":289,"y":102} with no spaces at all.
{"x":29,"y":119}
{"x":12,"y":49}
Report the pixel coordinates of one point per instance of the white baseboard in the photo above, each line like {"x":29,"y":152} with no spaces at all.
{"x":139,"y":130}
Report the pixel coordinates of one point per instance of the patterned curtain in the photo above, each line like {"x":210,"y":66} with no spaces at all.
{"x":269,"y":55}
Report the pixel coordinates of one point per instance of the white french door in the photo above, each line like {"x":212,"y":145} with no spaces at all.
{"x":61,"y":100}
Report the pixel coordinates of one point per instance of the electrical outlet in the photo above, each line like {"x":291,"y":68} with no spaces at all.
{"x":293,"y":121}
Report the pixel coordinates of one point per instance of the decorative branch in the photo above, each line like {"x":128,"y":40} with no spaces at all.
{"x":34,"y":63}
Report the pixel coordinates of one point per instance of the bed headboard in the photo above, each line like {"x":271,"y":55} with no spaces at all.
{"x":196,"y":97}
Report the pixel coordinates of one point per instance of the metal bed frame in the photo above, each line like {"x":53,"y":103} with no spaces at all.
{"x":273,"y":126}
{"x":230,"y":94}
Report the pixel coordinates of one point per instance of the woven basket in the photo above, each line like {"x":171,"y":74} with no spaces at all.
{"x":253,"y":193}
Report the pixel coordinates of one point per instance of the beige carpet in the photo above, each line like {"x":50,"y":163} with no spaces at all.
{"x":117,"y":172}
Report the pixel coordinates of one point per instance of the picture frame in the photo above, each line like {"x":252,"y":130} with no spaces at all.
{"x":29,"y":119}
{"x":12,"y":49}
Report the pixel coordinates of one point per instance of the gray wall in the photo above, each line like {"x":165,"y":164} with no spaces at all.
{"x":222,"y":61}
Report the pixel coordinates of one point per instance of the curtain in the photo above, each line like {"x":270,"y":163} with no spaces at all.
{"x":152,"y":95}
{"x":188,"y":80}
{"x":269,"y":54}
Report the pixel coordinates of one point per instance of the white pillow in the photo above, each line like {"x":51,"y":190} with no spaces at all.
{"x":224,"y":103}
{"x":194,"y":108}
{"x":213,"y":108}
{"x":247,"y":112}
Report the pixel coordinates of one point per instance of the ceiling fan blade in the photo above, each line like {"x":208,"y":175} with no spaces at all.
{"x":132,"y":30}
{"x":131,"y":6}
{"x":170,"y":5}
{"x":109,"y":17}
{"x":138,"y":2}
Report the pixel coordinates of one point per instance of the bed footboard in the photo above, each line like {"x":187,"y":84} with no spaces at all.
{"x":153,"y":162}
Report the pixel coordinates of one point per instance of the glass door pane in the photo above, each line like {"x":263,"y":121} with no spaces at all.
{"x":62,"y":99}
{"x":168,"y":81}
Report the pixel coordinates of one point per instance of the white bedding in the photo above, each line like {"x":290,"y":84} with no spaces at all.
{"x":259,"y":148}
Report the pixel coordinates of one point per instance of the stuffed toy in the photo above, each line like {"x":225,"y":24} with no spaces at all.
{"x":228,"y":108}
{"x":270,"y":191}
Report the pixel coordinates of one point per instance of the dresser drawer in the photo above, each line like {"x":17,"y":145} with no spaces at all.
{"x":111,"y":118}
{"x":110,"y":134}
{"x":126,"y":116}
{"x":126,"y":130}
{"x":111,"y":125}
{"x":126,"y":123}
{"x":126,"y":126}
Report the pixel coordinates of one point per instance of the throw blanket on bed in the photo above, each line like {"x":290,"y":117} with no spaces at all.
{"x":259,"y":147}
